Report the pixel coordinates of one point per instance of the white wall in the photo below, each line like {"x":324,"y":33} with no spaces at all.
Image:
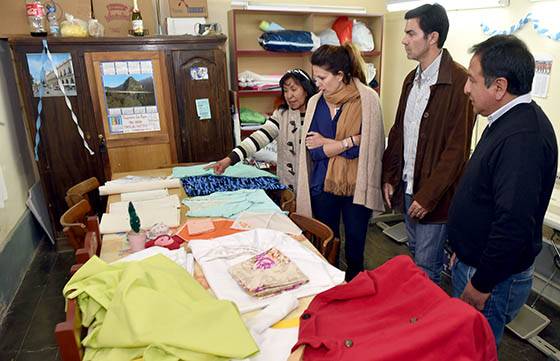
{"x":464,"y":32}
{"x":14,"y":155}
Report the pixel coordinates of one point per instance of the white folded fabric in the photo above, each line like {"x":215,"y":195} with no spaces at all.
{"x":277,"y":221}
{"x":116,"y":187}
{"x":178,"y":256}
{"x":274,"y":344}
{"x":217,"y":255}
{"x":120,"y":222}
{"x":171,"y":201}
{"x":144,"y":195}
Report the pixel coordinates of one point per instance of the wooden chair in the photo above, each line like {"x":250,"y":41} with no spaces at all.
{"x":285,"y":199}
{"x":320,"y":235}
{"x":75,"y":222}
{"x":69,"y":334}
{"x":91,"y":245}
{"x":80,"y":191}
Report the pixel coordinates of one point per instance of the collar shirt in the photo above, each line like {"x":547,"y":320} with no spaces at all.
{"x":415,"y":106}
{"x":393,"y":313}
{"x":525,"y":98}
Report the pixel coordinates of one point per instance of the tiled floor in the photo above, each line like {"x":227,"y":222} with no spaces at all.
{"x":28,"y":331}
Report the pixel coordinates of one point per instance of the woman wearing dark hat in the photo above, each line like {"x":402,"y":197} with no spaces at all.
{"x":284,"y":125}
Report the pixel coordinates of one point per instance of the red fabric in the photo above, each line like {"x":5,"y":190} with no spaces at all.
{"x":342,"y":26}
{"x":393,"y":313}
{"x":165,"y":241}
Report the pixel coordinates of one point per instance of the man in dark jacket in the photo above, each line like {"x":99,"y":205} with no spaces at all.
{"x":495,"y":219}
{"x":429,"y":142}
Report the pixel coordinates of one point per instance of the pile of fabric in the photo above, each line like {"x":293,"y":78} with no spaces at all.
{"x":155,"y":310}
{"x":267,"y":273}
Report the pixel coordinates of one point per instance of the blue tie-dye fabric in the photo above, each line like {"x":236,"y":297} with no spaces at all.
{"x":207,"y":184}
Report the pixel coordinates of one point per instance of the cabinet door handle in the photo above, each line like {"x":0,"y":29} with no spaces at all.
{"x":102,"y":143}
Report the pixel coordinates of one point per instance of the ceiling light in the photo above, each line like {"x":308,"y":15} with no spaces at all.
{"x":401,"y":5}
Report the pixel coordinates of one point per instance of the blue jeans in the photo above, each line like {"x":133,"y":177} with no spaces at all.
{"x":327,"y":208}
{"x":425,"y":242}
{"x":506,"y":298}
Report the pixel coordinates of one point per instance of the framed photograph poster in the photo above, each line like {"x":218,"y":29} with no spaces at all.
{"x":131,"y":99}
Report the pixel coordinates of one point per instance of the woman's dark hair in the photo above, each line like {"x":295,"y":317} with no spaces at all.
{"x":431,"y":18}
{"x":303,"y":79}
{"x":345,"y":59}
{"x":505,"y":56}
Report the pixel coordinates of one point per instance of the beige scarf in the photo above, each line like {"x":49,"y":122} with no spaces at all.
{"x":341,"y":172}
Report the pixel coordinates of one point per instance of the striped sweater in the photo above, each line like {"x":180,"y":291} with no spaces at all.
{"x":285,"y":126}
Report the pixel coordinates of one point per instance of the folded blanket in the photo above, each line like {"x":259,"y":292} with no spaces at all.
{"x":267,"y":273}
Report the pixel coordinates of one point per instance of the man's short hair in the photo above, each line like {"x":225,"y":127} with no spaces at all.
{"x":431,"y":18}
{"x":505,"y":56}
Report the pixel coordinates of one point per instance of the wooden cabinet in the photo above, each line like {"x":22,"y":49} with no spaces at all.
{"x":63,"y":159}
{"x":247,"y":54}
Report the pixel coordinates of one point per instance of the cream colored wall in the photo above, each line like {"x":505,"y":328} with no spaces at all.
{"x":217,"y":9}
{"x":465,"y":31}
{"x":14,"y":156}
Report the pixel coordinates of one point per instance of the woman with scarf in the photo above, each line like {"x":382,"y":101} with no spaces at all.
{"x":340,"y":170}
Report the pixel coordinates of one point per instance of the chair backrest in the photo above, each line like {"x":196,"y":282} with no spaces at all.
{"x":73,"y":222}
{"x":320,"y":235}
{"x":69,"y":334}
{"x":90,"y":248}
{"x":288,"y":200}
{"x":285,"y":199}
{"x":80,"y":191}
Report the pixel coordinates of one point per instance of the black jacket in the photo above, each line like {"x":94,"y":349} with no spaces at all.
{"x":496,"y":216}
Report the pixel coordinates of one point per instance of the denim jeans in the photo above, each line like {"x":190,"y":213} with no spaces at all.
{"x":425,"y":242}
{"x":327,"y":208}
{"x":506,"y":298}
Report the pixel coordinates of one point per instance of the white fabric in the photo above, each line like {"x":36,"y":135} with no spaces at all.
{"x":277,"y":310}
{"x":522,"y":99}
{"x":362,"y":37}
{"x":171,"y":201}
{"x":415,"y":106}
{"x":137,"y":184}
{"x":276,"y":221}
{"x":274,"y":344}
{"x":179,"y":256}
{"x":329,"y":37}
{"x":144,"y":195}
{"x":217,"y":255}
{"x":120,"y":222}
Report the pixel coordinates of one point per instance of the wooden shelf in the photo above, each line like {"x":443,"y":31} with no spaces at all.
{"x":259,"y":93}
{"x":262,"y":52}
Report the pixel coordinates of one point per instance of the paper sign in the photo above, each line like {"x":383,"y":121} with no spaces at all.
{"x":130,"y":97}
{"x":541,"y":80}
{"x":203,"y":109}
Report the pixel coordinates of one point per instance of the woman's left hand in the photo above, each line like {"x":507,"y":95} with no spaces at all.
{"x":315,"y":140}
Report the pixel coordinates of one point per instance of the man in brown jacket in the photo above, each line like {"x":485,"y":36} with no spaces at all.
{"x":429,"y":142}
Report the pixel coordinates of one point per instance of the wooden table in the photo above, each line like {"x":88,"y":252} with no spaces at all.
{"x":114,"y":246}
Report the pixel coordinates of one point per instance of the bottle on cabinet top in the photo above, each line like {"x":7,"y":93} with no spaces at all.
{"x":137,"y":22}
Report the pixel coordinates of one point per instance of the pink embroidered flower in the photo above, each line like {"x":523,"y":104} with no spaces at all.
{"x":264,"y":261}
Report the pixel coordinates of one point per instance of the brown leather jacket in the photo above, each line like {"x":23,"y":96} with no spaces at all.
{"x":444,"y":142}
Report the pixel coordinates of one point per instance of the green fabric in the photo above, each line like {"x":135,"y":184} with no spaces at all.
{"x":238,"y":170}
{"x":230,"y":204}
{"x":247,"y":115}
{"x":154,"y":309}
